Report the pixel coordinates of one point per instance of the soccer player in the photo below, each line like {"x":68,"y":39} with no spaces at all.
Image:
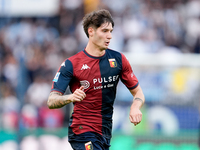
{"x":93,"y":75}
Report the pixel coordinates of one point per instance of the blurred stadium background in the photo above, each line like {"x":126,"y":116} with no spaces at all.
{"x":161,"y":39}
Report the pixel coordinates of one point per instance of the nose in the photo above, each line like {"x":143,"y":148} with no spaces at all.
{"x":109,"y":36}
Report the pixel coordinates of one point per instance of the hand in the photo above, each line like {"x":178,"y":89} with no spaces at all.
{"x":78,"y":95}
{"x":135,"y":115}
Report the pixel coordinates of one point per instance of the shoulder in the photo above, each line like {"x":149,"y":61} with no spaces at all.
{"x":68,"y":62}
{"x":120,"y":57}
{"x":72,"y":59}
{"x":77,"y":56}
{"x":117,"y":55}
{"x":114,"y":53}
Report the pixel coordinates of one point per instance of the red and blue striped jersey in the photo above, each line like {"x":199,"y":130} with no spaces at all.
{"x":100,"y":76}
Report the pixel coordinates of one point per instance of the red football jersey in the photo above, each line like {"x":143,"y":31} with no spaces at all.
{"x":100,"y":76}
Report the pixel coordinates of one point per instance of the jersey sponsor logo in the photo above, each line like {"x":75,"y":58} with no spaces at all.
{"x":85,"y":83}
{"x":108,"y":82}
{"x":56,"y":77}
{"x":85,"y":66}
{"x":112,"y":62}
{"x":89,"y":146}
{"x":105,"y":80}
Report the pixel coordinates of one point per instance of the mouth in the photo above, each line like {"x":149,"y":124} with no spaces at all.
{"x":107,"y":43}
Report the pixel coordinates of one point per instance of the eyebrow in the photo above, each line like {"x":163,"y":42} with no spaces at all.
{"x":106,"y":25}
{"x":106,"y":28}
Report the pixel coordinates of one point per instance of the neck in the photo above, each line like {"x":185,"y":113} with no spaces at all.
{"x":94,"y":50}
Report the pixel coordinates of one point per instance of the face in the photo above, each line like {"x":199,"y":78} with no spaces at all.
{"x":101,"y":36}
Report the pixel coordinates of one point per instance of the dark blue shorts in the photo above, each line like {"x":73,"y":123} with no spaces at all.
{"x":89,"y":141}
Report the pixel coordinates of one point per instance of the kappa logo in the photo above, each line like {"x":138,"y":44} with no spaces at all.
{"x":63,"y":64}
{"x":85,"y":66}
{"x":132,"y":75}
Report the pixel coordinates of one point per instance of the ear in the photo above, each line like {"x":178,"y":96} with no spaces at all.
{"x":90,"y":31}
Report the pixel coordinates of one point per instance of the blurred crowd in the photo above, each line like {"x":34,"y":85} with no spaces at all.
{"x":32,"y":49}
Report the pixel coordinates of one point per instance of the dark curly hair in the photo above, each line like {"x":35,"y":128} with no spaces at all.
{"x":96,"y":19}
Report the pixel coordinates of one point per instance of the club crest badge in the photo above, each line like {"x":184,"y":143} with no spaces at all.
{"x":89,"y":146}
{"x":113,"y":63}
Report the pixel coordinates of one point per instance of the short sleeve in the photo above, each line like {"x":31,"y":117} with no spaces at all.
{"x":63,"y":77}
{"x":127,"y":75}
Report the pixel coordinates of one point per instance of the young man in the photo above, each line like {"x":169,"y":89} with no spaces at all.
{"x":92,"y":76}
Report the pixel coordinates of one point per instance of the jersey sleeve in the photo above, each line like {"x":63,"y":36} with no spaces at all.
{"x":63,"y":77}
{"x":127,"y":75}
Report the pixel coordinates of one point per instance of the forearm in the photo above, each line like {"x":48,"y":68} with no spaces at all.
{"x":138,"y":102}
{"x":135,"y":113}
{"x":57,"y":100}
{"x":139,"y":98}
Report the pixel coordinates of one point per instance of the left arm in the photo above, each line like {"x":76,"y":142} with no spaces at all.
{"x":135,"y":115}
{"x":130,"y":80}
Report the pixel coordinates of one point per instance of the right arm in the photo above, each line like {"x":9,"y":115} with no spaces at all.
{"x":58,"y":100}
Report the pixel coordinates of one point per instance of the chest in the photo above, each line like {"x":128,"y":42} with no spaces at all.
{"x":97,"y":72}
